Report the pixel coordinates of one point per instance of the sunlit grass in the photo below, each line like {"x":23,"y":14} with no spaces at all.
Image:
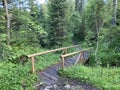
{"x":103,"y":78}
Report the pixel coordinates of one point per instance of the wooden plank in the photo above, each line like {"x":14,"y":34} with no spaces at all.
{"x":41,"y":53}
{"x":62,"y":58}
{"x":33,"y":64}
{"x":77,"y":59}
{"x":81,"y":57}
{"x":49,"y":76}
{"x":66,"y":55}
{"x":65,"y":50}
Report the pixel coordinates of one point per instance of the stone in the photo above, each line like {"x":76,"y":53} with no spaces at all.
{"x":76,"y":88}
{"x":67,"y":87}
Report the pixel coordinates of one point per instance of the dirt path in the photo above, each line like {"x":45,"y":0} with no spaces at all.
{"x":51,"y":80}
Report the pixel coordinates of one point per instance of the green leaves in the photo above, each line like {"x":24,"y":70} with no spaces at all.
{"x":11,"y":76}
{"x":57,"y":19}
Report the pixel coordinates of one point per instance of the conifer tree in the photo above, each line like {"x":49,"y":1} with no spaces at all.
{"x":57,"y":22}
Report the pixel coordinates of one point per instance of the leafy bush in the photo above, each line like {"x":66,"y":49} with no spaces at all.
{"x":12,"y":76}
{"x":109,"y":50}
{"x":104,"y":78}
{"x":13,"y":73}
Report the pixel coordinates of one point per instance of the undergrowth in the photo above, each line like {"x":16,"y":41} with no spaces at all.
{"x":44,"y":61}
{"x":14,"y":76}
{"x":103,"y":78}
{"x":15,"y":67}
{"x":14,"y":72}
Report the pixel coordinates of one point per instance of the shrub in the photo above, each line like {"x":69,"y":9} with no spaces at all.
{"x":12,"y":76}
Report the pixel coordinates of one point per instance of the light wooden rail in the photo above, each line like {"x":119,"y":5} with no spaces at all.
{"x":64,"y":54}
{"x":32,"y":56}
{"x":54,"y":50}
{"x":80,"y":57}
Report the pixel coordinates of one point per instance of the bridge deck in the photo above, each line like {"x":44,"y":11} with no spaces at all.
{"x":50,"y":75}
{"x":51,"y":79}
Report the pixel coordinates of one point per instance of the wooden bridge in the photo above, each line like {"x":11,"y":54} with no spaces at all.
{"x":82,"y":57}
{"x":50,"y":75}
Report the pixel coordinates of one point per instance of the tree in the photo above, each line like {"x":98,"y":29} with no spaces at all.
{"x":97,"y":17}
{"x":57,"y":14}
{"x":78,"y":19}
{"x":8,"y":22}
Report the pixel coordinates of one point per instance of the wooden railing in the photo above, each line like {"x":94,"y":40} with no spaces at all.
{"x":32,"y":56}
{"x":80,"y":57}
{"x":64,"y":54}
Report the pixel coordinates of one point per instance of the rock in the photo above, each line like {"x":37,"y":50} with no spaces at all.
{"x":49,"y":87}
{"x":55,"y":86}
{"x":67,"y":87}
{"x":46,"y":89}
{"x":76,"y":88}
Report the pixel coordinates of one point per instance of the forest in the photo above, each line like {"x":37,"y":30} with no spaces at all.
{"x":33,"y":26}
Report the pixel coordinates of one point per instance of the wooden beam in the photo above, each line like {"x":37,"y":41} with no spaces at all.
{"x":81,"y":57}
{"x":33,"y":64}
{"x":66,"y":55}
{"x":78,"y":58}
{"x":41,"y":53}
{"x":62,"y":59}
{"x":65,"y":51}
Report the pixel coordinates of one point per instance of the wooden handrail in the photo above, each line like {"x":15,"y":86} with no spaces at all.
{"x":66,"y":55}
{"x":45,"y":52}
{"x":54,"y":50}
{"x":80,"y":56}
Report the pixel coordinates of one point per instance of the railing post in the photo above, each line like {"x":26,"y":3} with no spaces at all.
{"x":65,"y":51}
{"x":33,"y":64}
{"x":81,"y":56}
{"x":62,"y":59}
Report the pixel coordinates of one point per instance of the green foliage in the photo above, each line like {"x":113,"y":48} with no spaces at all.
{"x":2,"y":21}
{"x":57,"y":14}
{"x":46,"y":60}
{"x":118,"y":13}
{"x":94,"y":19}
{"x":12,"y":76}
{"x":53,"y":25}
{"x":78,"y":30}
{"x":112,"y":37}
{"x":27,"y":31}
{"x":109,"y":50}
{"x":103,"y":78}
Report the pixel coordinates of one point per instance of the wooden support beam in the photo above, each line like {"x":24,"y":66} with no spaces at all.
{"x":65,"y":51}
{"x":81,"y":57}
{"x":54,"y":50}
{"x":66,"y":55}
{"x":33,"y":64}
{"x":62,"y":59}
{"x":78,"y":58}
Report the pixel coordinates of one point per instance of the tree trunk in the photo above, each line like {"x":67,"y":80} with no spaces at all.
{"x":8,"y":22}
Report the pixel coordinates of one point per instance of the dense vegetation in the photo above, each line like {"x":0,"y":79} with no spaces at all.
{"x":27,"y":26}
{"x":102,"y":78}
